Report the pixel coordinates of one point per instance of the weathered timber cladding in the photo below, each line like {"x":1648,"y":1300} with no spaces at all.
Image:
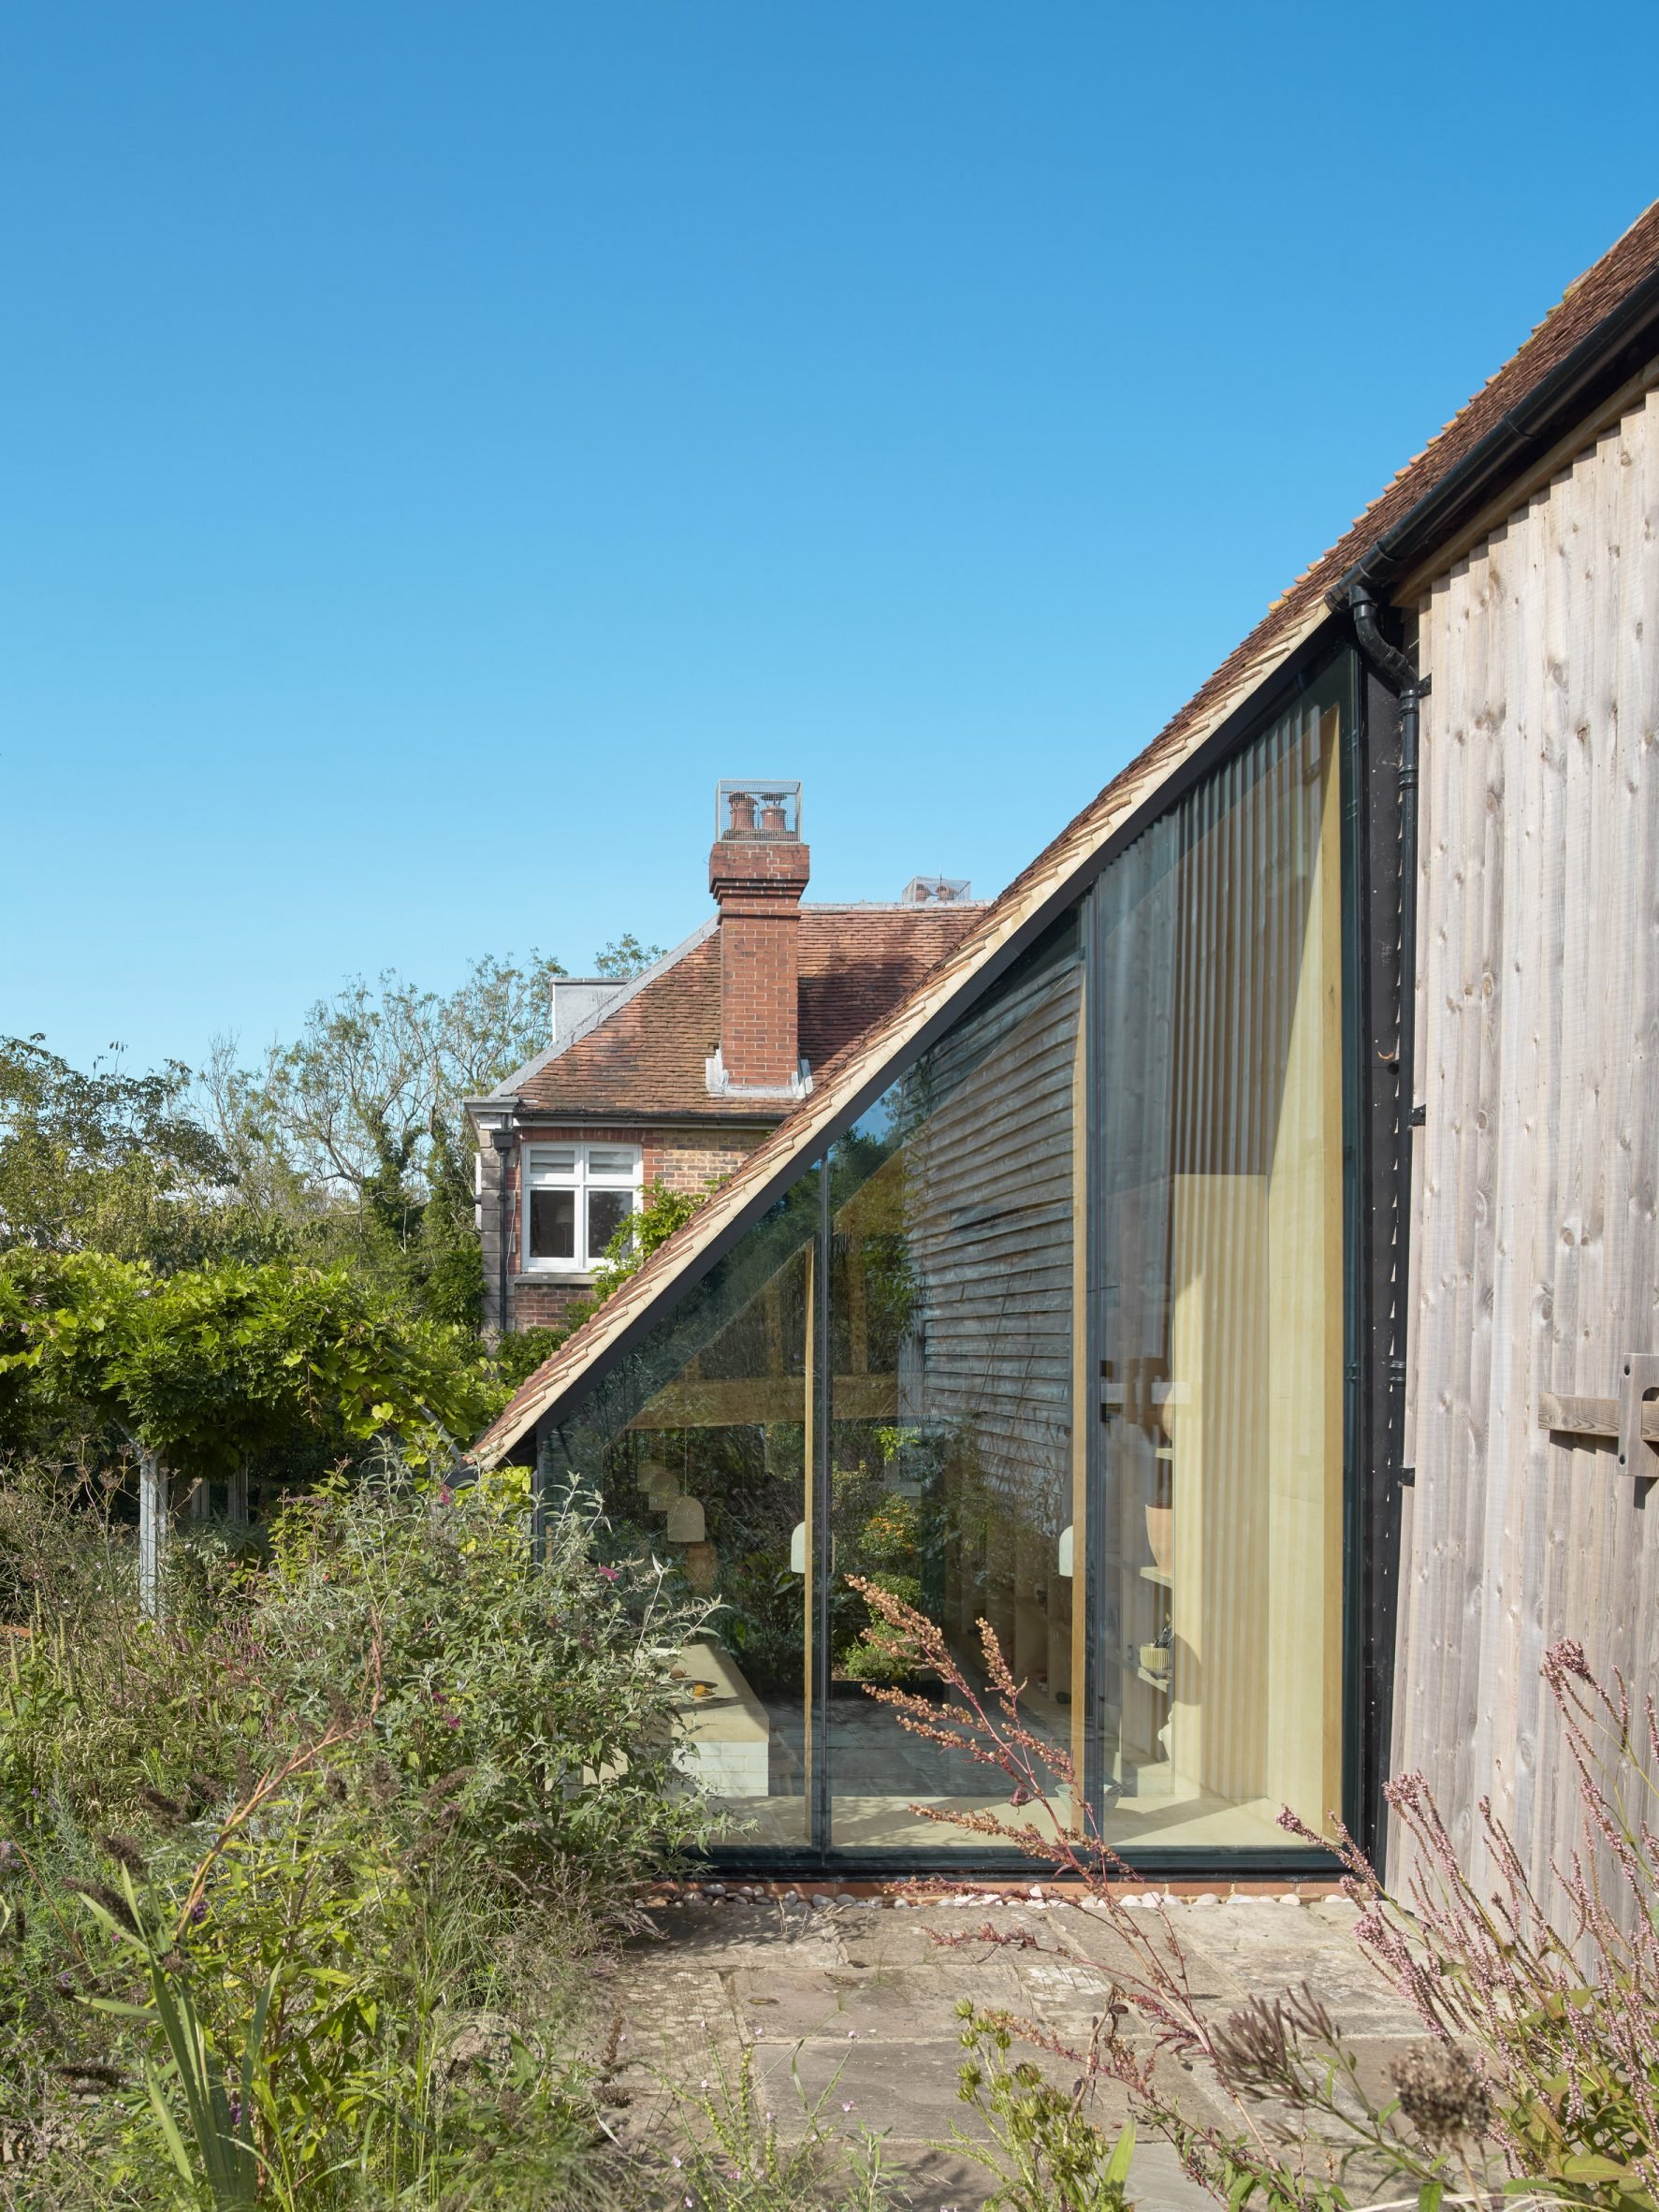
{"x":1535,"y":1262}
{"x":992,"y":1217}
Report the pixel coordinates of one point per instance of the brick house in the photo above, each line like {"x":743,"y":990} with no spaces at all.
{"x":675,"y":1076}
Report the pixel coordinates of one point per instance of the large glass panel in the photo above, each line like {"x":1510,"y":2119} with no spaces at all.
{"x":1218,"y":1195}
{"x":699,"y":1443}
{"x":954,"y":1479}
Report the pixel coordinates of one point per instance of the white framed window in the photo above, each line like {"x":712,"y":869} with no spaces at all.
{"x":576,"y":1198}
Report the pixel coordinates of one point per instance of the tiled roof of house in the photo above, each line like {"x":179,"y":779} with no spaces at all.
{"x":1588,"y":303}
{"x":648,"y":1056}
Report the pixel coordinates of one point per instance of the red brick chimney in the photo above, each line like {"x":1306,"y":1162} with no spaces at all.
{"x":757,"y":871}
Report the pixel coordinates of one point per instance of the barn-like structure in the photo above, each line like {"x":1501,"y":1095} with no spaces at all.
{"x":1233,"y":1270}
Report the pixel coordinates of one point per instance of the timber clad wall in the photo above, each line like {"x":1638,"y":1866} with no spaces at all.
{"x":1535,"y":1261}
{"x":992,"y":1217}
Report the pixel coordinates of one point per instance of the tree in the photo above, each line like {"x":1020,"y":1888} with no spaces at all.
{"x":202,"y":1371}
{"x":111,"y":1162}
{"x":625,"y":958}
{"x":362,"y":1117}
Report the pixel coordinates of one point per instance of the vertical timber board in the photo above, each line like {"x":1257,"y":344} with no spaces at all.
{"x":1535,"y":1252}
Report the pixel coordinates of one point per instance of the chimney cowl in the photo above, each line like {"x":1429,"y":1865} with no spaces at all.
{"x":765,"y":807}
{"x":929,"y":891}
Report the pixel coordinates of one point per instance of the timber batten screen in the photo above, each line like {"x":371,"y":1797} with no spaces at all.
{"x":1218,"y":1285}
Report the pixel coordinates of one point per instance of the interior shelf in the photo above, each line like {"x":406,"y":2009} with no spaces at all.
{"x":1157,"y":1574}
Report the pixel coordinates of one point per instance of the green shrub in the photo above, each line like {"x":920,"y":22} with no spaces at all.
{"x":539,"y":1700}
{"x":350,"y":1802}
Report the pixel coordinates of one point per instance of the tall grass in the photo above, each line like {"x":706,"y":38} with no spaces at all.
{"x":283,"y":1878}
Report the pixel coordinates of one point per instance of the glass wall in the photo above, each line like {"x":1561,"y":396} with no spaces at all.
{"x":699,"y":1443}
{"x":956,"y":1480}
{"x":1051,"y":1338}
{"x":1218,"y":1177}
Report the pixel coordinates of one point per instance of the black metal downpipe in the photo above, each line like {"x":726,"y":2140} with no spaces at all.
{"x":1396,"y":670}
{"x":503,"y":1139}
{"x":1386,"y":1170}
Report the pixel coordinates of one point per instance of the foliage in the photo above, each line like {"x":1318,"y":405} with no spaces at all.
{"x":886,"y":1544}
{"x":358,"y":1123}
{"x":211,"y":1365}
{"x":1046,"y":2153}
{"x":518,"y":1352}
{"x":546,"y":1692}
{"x":625,"y":958}
{"x":734,"y":2159}
{"x":1539,"y":2069}
{"x":112,"y":1162}
{"x":295,"y":1873}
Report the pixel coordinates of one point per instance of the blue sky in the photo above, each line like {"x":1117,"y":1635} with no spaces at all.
{"x":439,"y":442}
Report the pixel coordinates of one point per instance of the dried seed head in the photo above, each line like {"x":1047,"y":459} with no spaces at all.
{"x":158,"y":1801}
{"x":101,"y":1894}
{"x":1440,"y":2093}
{"x":126,"y":1852}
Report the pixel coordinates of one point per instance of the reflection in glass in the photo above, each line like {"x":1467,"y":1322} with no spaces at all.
{"x":1219,"y":1210}
{"x":552,"y":1224}
{"x":698,"y":1443}
{"x":954,"y":1478}
{"x":606,"y":1212}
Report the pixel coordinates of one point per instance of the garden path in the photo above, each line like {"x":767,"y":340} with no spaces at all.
{"x":855,"y":1995}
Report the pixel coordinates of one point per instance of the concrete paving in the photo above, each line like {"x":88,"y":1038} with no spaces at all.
{"x":849,"y":2002}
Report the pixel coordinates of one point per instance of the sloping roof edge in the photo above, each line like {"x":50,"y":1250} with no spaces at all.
{"x":1606,"y":311}
{"x":865,"y":1062}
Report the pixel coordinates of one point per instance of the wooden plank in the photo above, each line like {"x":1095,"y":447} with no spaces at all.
{"x":1591,"y":1417}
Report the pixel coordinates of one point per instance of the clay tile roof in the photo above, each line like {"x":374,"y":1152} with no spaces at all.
{"x":857,"y":964}
{"x":1628,"y":265}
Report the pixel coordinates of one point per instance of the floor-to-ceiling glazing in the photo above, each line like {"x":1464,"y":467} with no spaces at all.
{"x":1049,"y":1339}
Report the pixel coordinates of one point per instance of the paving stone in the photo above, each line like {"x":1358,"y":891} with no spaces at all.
{"x":857,"y":2004}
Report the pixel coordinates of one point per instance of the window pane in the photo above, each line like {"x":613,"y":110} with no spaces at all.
{"x":711,"y":1413}
{"x":1220,"y":1225}
{"x":955,"y":1258}
{"x":617,"y":1161}
{"x":552,"y":1161}
{"x":552,"y":1224}
{"x":606,"y":1212}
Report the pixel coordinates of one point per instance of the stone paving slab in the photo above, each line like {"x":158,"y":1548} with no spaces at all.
{"x":851,"y":2003}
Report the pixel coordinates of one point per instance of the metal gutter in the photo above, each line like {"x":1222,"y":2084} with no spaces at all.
{"x":1612,"y":352}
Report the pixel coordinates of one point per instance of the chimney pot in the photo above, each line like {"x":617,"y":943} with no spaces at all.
{"x":742,"y":814}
